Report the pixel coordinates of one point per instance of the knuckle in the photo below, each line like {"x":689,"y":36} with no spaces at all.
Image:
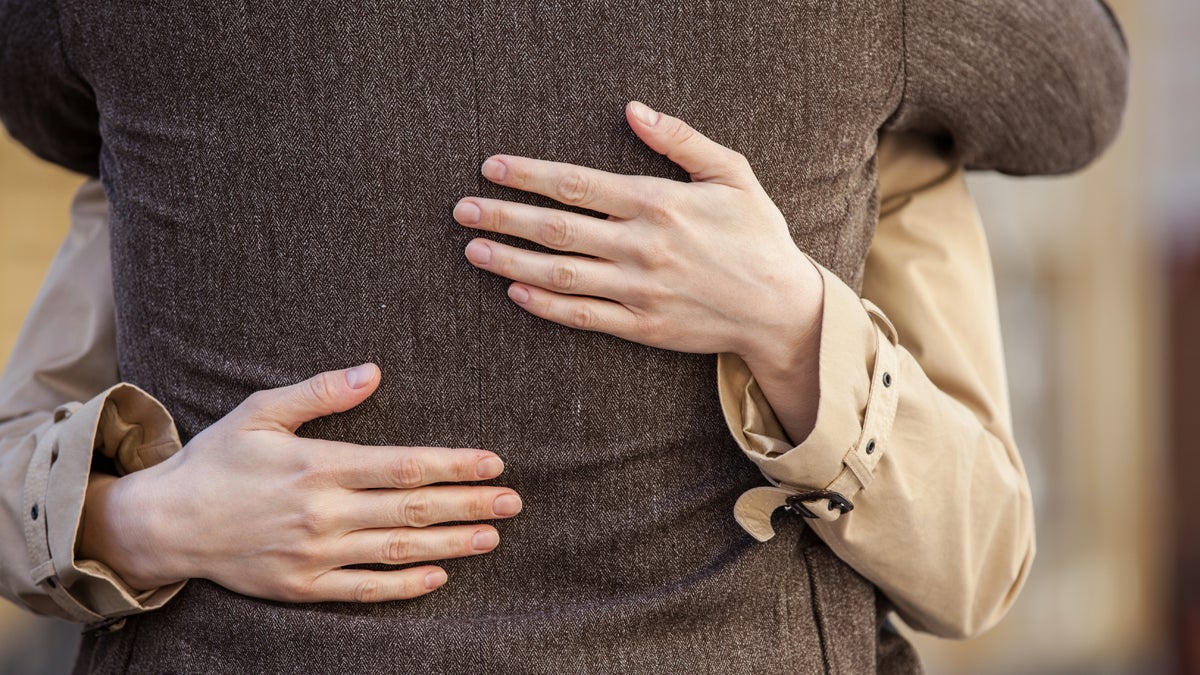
{"x":558,"y":232}
{"x":564,"y":276}
{"x":574,"y":188}
{"x":306,"y":555}
{"x":498,"y":220}
{"x":649,"y":295}
{"x":314,"y":521}
{"x":409,"y":473}
{"x":658,"y":203}
{"x":680,"y":131}
{"x":322,"y":388}
{"x":414,"y":511}
{"x":739,"y":160}
{"x":368,"y":590}
{"x":295,"y":587}
{"x":648,"y":325}
{"x":255,"y":403}
{"x":480,"y":507}
{"x":396,"y":548}
{"x":582,"y":316}
{"x":547,"y":307}
{"x":654,"y":253}
{"x":309,"y":469}
{"x":519,"y":173}
{"x":503,"y":262}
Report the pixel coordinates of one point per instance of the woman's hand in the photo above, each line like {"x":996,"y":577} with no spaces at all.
{"x":261,"y":511}
{"x":704,"y":267}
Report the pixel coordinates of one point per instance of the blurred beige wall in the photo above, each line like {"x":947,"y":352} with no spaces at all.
{"x":34,"y":197}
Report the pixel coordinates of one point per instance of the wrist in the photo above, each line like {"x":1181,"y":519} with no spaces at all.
{"x":120,"y":528}
{"x":785,"y":342}
{"x":784,"y":357}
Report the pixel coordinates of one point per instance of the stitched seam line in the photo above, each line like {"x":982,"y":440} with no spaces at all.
{"x":818,"y":617}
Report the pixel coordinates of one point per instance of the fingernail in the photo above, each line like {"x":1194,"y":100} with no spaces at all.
{"x":518,"y":294}
{"x":435,"y":579}
{"x":644,"y":113}
{"x":490,"y":467}
{"x":507,"y":505}
{"x":478,"y":252}
{"x":494,"y":170}
{"x":485,"y":540}
{"x":358,"y":376}
{"x":467,"y":213}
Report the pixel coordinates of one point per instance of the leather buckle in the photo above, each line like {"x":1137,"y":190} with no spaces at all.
{"x":795,"y":503}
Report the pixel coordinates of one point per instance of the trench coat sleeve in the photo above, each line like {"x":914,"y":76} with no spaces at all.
{"x":63,"y":414}
{"x":913,"y":424}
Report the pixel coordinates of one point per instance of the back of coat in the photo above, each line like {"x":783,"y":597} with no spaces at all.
{"x":282,"y":177}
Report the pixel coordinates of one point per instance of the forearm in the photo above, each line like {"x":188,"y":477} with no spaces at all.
{"x":20,"y":532}
{"x":912,"y":422}
{"x":784,"y":355}
{"x":946,"y":527}
{"x":45,"y":470}
{"x":60,"y":405}
{"x":1023,"y":87}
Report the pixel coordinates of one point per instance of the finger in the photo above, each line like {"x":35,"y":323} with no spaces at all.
{"x":371,"y":586}
{"x":403,"y":545}
{"x":552,"y":228}
{"x":428,"y":506}
{"x":611,"y":193}
{"x":361,"y":467}
{"x":324,"y":394}
{"x":560,"y":273}
{"x":578,"y":312}
{"x":705,"y":159}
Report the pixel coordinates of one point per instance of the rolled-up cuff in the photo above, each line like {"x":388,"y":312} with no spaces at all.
{"x":857,"y":406}
{"x":127,"y":425}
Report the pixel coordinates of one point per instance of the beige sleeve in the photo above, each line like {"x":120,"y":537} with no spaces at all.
{"x":913,"y":425}
{"x":60,"y":404}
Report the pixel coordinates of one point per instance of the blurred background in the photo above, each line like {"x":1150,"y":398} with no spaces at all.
{"x":1099,"y":282}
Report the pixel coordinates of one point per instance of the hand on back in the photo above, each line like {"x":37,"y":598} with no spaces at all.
{"x":263,"y":512}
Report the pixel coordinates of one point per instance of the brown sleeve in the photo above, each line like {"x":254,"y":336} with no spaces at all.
{"x":44,"y":103}
{"x":1020,"y":86}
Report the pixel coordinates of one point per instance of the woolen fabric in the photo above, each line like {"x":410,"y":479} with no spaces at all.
{"x":282,"y":178}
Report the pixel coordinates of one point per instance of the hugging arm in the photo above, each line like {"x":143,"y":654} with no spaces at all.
{"x":44,"y":103}
{"x":913,"y":417}
{"x":1022,"y":86}
{"x":913,"y":420}
{"x":58,"y":392}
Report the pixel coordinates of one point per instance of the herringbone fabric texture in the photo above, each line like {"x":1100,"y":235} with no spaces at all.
{"x":281,"y":178}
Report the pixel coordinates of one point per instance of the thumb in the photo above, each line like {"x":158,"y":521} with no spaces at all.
{"x":703,"y":158}
{"x":330,"y":392}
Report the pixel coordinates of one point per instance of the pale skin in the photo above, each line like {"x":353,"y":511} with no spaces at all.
{"x":704,"y":266}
